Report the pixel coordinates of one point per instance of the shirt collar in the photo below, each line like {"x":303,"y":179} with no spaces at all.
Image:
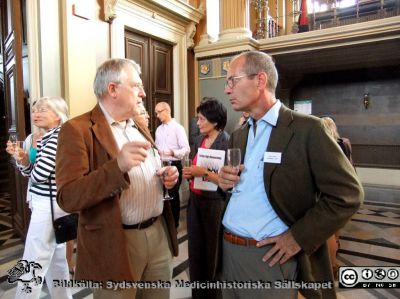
{"x":271,"y":116}
{"x":170,"y":122}
{"x":113,"y":122}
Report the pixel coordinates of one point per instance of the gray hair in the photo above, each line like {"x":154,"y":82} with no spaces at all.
{"x":57,"y":104}
{"x":255,"y":62}
{"x":111,"y":71}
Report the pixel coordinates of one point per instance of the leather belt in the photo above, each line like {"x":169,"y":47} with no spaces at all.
{"x":141,"y":225}
{"x":176,"y":162}
{"x":237,"y":240}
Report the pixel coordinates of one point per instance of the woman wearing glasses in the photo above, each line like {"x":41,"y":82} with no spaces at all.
{"x":48,"y":114}
{"x":206,"y":207}
{"x":144,"y":115}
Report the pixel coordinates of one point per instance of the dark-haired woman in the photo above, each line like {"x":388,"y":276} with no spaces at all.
{"x":206,"y":207}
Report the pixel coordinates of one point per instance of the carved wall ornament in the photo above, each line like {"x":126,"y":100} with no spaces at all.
{"x":190,"y":32}
{"x":225,"y":65}
{"x":204,"y":68}
{"x":109,"y":10}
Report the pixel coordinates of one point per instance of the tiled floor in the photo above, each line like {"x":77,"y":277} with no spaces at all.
{"x":371,"y":238}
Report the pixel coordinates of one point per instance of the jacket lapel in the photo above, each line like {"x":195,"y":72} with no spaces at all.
{"x":103,"y":132}
{"x":280,"y":137}
{"x":218,"y":141}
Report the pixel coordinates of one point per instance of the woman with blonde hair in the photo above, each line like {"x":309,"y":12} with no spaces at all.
{"x":344,"y":143}
{"x":48,"y":114}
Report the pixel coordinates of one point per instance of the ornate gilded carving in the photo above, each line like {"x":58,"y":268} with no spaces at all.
{"x":190,"y":32}
{"x":204,"y":68}
{"x":109,"y":10}
{"x":225,"y":65}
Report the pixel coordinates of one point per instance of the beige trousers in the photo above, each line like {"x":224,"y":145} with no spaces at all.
{"x":151,"y":259}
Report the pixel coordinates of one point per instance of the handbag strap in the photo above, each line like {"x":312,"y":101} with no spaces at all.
{"x":51,"y":201}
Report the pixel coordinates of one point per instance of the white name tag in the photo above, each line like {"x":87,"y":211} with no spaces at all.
{"x":272,"y":157}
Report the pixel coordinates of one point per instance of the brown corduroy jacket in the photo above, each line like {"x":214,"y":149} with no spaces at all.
{"x":90,"y":182}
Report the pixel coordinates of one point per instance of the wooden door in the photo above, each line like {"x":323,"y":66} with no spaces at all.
{"x":155,"y":58}
{"x":12,"y":42}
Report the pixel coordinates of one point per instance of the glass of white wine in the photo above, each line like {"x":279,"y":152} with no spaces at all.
{"x":166,"y":163}
{"x":234,"y":158}
{"x":14,"y":141}
{"x":186,"y":162}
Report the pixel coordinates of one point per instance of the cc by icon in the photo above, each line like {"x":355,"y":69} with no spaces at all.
{"x":348,"y":277}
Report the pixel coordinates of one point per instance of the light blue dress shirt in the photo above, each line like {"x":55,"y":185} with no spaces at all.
{"x":249,"y":212}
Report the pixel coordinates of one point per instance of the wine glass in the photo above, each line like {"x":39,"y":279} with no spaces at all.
{"x":14,"y":140}
{"x":166,"y":163}
{"x":187,"y":162}
{"x":233,"y":159}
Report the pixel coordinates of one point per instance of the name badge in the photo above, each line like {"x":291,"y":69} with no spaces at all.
{"x":272,"y":157}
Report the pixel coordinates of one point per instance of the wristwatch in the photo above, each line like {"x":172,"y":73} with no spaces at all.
{"x":205,"y":174}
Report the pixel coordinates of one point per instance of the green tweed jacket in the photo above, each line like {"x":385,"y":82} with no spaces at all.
{"x":314,"y":189}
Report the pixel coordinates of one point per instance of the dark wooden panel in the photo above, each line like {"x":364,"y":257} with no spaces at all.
{"x":163,"y":71}
{"x":155,"y":58}
{"x":162,"y":77}
{"x":137,"y":49}
{"x":382,"y":156}
{"x":14,"y":82}
{"x":374,"y":131}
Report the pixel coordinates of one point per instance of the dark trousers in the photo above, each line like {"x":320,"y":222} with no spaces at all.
{"x":176,"y":201}
{"x":204,"y":217}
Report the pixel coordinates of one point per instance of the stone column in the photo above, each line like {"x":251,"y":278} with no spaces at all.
{"x":234,"y":19}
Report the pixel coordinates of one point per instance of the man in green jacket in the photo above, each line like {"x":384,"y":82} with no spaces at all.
{"x":295,"y":188}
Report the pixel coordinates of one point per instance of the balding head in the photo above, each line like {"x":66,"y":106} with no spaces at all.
{"x":164,"y":105}
{"x":163,"y":112}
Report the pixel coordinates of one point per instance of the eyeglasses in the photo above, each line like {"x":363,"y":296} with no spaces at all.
{"x":158,"y":112}
{"x":231,"y":81}
{"x":144,"y":113}
{"x":40,"y":110}
{"x":136,"y":84}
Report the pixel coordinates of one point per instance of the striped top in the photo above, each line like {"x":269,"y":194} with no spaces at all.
{"x":44,"y":166}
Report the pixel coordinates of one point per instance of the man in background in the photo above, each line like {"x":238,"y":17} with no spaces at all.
{"x":172,"y":142}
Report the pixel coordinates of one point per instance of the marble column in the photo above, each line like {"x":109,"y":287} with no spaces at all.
{"x":234,"y":20}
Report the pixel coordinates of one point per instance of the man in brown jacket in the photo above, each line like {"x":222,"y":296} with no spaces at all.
{"x":109,"y":171}
{"x":295,"y":189}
